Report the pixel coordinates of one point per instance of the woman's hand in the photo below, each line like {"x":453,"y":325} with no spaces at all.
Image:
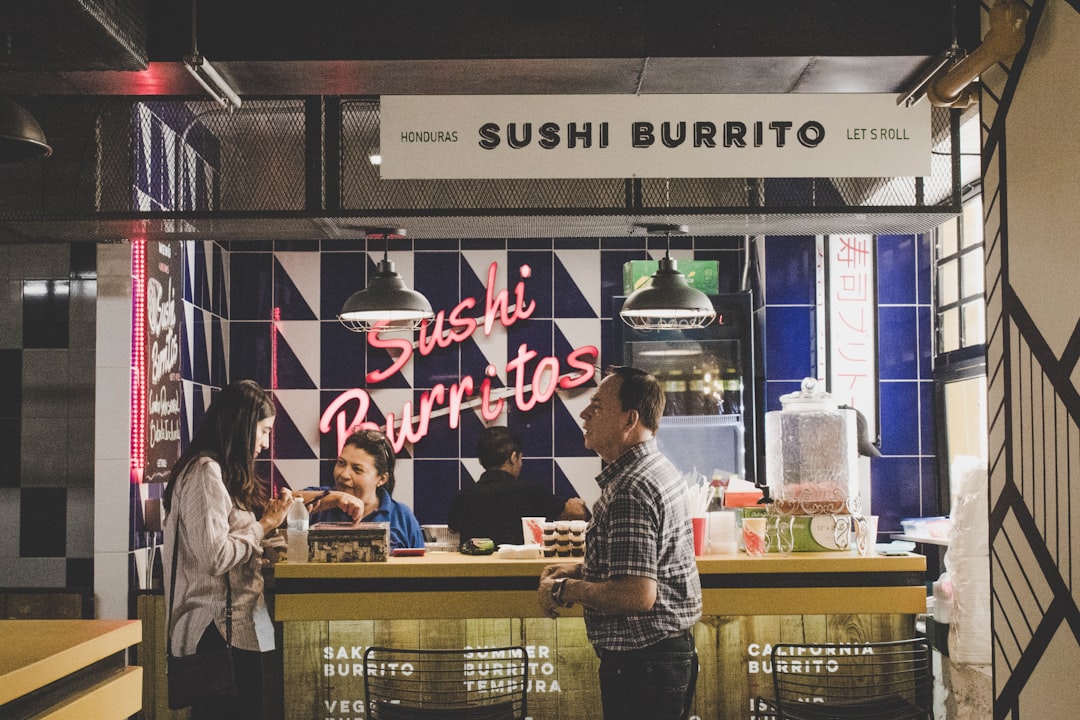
{"x":349,"y":504}
{"x":276,"y":510}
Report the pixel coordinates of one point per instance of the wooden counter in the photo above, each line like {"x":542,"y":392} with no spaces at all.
{"x":331,"y":612}
{"x":69,"y":669}
{"x":450,"y":585}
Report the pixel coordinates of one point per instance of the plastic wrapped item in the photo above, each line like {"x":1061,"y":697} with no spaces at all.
{"x":968,"y":563}
{"x":811,"y":454}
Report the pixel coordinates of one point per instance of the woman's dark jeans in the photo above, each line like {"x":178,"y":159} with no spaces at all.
{"x":654,"y":683}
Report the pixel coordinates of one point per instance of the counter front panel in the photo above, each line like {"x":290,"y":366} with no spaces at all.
{"x":333,"y":612}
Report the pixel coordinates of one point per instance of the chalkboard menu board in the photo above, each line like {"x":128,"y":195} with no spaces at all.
{"x":164,"y":320}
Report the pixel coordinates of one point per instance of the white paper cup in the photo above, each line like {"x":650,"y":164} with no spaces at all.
{"x":532,"y":530}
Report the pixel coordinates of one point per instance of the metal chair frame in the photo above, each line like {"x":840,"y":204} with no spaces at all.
{"x":449,"y":684}
{"x":891,"y":680}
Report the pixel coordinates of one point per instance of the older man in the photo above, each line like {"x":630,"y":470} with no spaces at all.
{"x":639,"y":582}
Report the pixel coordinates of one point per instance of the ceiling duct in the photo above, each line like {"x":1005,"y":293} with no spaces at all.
{"x":1007,"y":34}
{"x":73,"y":35}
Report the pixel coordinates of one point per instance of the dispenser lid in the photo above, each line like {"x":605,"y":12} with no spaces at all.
{"x":810,"y":396}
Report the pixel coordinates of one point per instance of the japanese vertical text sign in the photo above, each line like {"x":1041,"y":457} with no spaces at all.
{"x":852,"y":306}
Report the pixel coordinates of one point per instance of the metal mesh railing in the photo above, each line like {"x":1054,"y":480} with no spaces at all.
{"x":308,"y":161}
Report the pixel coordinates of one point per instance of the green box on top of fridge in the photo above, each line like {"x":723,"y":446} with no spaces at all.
{"x":700,"y":274}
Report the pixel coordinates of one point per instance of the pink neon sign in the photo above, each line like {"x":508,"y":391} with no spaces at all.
{"x":445,"y":330}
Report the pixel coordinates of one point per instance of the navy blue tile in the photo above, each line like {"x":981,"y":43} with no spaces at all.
{"x":10,"y":383}
{"x":568,"y":440}
{"x":342,"y":274}
{"x":219,"y":364}
{"x":926,"y":417}
{"x":252,"y":285}
{"x":342,"y":356}
{"x":577,"y":244}
{"x":535,"y":430}
{"x":790,"y":269}
{"x":288,"y":439}
{"x":608,"y":352}
{"x":435,"y":482}
{"x":925,"y":260}
{"x":540,"y":243}
{"x":251,"y":349}
{"x":789,"y":343}
{"x":637,"y":244}
{"x":474,"y":364}
{"x":440,"y":441}
{"x":899,"y":418}
{"x":440,"y":366}
{"x":898,"y":343}
{"x":294,"y":246}
{"x":289,"y":302}
{"x":42,"y":522}
{"x":897,"y":278}
{"x":564,"y":487}
{"x":219,"y":300}
{"x":539,"y":472}
{"x":10,"y":451}
{"x":930,"y":484}
{"x":611,"y":274}
{"x":200,"y":359}
{"x":537,"y":287}
{"x":728,"y":268}
{"x":201,"y":294}
{"x":926,"y":343}
{"x":774,"y":389}
{"x":895,"y":489}
{"x":568,"y":300}
{"x":530,"y":340}
{"x":288,"y":372}
{"x":482,"y":244}
{"x":45,"y":313}
{"x":436,"y":277}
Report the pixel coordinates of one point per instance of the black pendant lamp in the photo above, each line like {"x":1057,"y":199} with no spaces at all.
{"x":386,"y":301}
{"x":666,"y":301}
{"x":21,"y":137}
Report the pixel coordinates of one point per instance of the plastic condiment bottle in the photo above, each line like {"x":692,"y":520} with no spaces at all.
{"x":297,"y":529}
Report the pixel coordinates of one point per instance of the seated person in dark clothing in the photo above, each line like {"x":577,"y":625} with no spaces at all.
{"x":493,"y":507}
{"x":365,"y":468}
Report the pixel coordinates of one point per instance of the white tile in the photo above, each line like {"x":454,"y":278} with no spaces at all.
{"x":404,"y":484}
{"x":112,"y":481}
{"x":111,"y":585}
{"x":113,"y":329}
{"x":112,"y":410}
{"x":80,"y":523}
{"x":114,"y":261}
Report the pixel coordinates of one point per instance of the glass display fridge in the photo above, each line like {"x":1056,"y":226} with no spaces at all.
{"x":708,"y":379}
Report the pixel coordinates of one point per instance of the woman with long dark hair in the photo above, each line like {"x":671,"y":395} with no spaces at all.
{"x":217,"y":513}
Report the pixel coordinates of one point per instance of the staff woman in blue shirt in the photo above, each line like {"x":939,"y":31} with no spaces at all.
{"x":365,"y":468}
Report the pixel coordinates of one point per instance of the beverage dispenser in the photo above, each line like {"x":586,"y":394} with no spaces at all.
{"x":812,"y":472}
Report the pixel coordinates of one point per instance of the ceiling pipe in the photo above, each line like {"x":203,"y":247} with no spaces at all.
{"x":1007,"y":34}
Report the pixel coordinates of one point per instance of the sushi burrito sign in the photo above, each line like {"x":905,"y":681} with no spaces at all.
{"x":641,"y":136}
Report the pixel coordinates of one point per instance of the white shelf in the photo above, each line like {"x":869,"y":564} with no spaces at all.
{"x":920,"y":539}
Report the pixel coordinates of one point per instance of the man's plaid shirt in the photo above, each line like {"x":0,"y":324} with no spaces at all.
{"x":641,"y":526}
